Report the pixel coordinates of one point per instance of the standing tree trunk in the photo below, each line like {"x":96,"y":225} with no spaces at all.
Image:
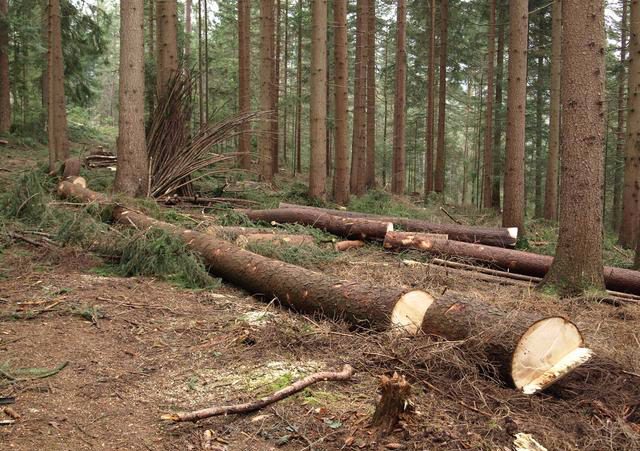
{"x":167,"y":24}
{"x":133,"y":169}
{"x":487,"y":185}
{"x":386,"y":108}
{"x":201,"y":119}
{"x":187,"y":32}
{"x":442,"y":99}
{"x":206,"y":61}
{"x":371,"y":96}
{"x":513,"y":213}
{"x":617,"y":179}
{"x":551,"y":184}
{"x":577,"y":265}
{"x":318,"y":114}
{"x":244,"y":80}
{"x":298,"y":157}
{"x":631,"y":192}
{"x":5,"y":102}
{"x":266,"y":99}
{"x":285,"y":119}
{"x":428,"y":163}
{"x":359,"y":140}
{"x":497,"y":115}
{"x":538,"y":141}
{"x":57,"y":128}
{"x":465,"y":161}
{"x":275,"y":92}
{"x":341,"y":92}
{"x":399,"y":157}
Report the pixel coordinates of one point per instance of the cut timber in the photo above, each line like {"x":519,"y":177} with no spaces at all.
{"x":520,"y":262}
{"x":354,"y":228}
{"x":275,"y":239}
{"x":393,"y":402}
{"x":484,"y":235}
{"x":349,"y":244}
{"x":521,"y":341}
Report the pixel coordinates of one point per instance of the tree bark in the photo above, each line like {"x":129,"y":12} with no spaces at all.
{"x":442,"y":100}
{"x":318,"y":104}
{"x":618,"y":169}
{"x":465,"y":161}
{"x":370,"y":180}
{"x":167,"y":25}
{"x":5,"y":97}
{"x":133,"y":168}
{"x":359,"y":140}
{"x":551,"y":184}
{"x":538,"y":208}
{"x":341,"y":92}
{"x":577,"y":266}
{"x":298,"y":156}
{"x":513,"y":211}
{"x":201,"y":118}
{"x":631,"y":190}
{"x":266,"y":98}
{"x":393,"y":402}
{"x":428,"y":163}
{"x":519,"y":262}
{"x":398,"y":179}
{"x":275,"y":92}
{"x":244,"y":80}
{"x":187,"y":32}
{"x":471,"y":234}
{"x":487,"y":186}
{"x":497,"y":116}
{"x":57,"y":123}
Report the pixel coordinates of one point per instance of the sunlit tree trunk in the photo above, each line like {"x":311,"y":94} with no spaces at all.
{"x":399,"y":151}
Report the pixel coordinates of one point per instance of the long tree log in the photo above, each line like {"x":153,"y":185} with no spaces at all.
{"x":534,"y":352}
{"x":354,"y":228}
{"x":503,"y":237}
{"x":520,"y":262}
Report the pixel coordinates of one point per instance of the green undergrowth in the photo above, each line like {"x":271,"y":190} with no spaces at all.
{"x":305,"y":256}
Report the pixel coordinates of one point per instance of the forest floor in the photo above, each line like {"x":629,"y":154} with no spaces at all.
{"x":139,"y":347}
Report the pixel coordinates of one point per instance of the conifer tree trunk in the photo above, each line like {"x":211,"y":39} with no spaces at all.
{"x":285,"y":119}
{"x":206,"y":61}
{"x":244,"y":80}
{"x":617,"y":179}
{"x":167,"y":24}
{"x":577,"y":266}
{"x":497,"y":119}
{"x":275,"y":92}
{"x":133,"y":169}
{"x":399,"y":138}
{"x":465,"y":162}
{"x":428,"y":163}
{"x":266,"y":97}
{"x":298,"y":156}
{"x":57,"y":128}
{"x":318,"y":104}
{"x":386,"y":108}
{"x":187,"y":32}
{"x":341,"y":92}
{"x":201,"y":119}
{"x":5,"y":102}
{"x":371,"y":96}
{"x":631,"y":191}
{"x":538,"y":141}
{"x":442,"y":99}
{"x":513,"y":211}
{"x":44,"y":77}
{"x":487,"y":185}
{"x":359,"y":140}
{"x":551,"y":184}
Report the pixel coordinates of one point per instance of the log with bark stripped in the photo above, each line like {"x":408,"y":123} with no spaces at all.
{"x":534,"y":352}
{"x":520,"y":262}
{"x":485,"y":235}
{"x":354,"y":228}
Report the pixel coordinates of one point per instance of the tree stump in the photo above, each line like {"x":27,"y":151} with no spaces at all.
{"x":395,"y":395}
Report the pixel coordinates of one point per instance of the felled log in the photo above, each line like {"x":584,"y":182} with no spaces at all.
{"x":349,"y":244}
{"x":206,"y":201}
{"x":534,"y":352}
{"x":503,"y":237}
{"x":520,"y":262}
{"x":275,"y":239}
{"x":354,"y":228}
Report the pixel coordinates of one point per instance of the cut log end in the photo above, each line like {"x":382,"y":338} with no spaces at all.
{"x":409,"y":311}
{"x":550,"y":349}
{"x":513,"y":232}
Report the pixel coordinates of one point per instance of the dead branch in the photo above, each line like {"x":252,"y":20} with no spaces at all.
{"x":449,"y":215}
{"x":248,"y":407}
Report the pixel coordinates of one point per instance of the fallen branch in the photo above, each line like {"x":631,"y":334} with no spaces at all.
{"x":449,"y":215}
{"x":248,"y":407}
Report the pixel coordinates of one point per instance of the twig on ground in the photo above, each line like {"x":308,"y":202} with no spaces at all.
{"x":345,"y":374}
{"x":450,"y":217}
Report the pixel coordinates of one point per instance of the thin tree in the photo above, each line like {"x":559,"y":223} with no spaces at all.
{"x":385,"y":91}
{"x":577,"y":266}
{"x":617,"y":178}
{"x":487,"y":185}
{"x":206,"y":61}
{"x":298,"y":157}
{"x":318,"y":104}
{"x":442,"y":99}
{"x":266,"y":98}
{"x":5,"y":102}
{"x":285,"y":118}
{"x":341,"y":92}
{"x":167,"y":25}
{"x":370,"y":180}
{"x":497,"y":115}
{"x":399,"y":157}
{"x":187,"y":31}
{"x":133,"y":169}
{"x":513,"y":211}
{"x":631,"y":190}
{"x":465,"y":161}
{"x":538,"y":210}
{"x":428,"y":161}
{"x":57,"y":123}
{"x":359,"y":140}
{"x":201,"y":118}
{"x":244,"y":79}
{"x":551,"y":184}
{"x":275,"y":92}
